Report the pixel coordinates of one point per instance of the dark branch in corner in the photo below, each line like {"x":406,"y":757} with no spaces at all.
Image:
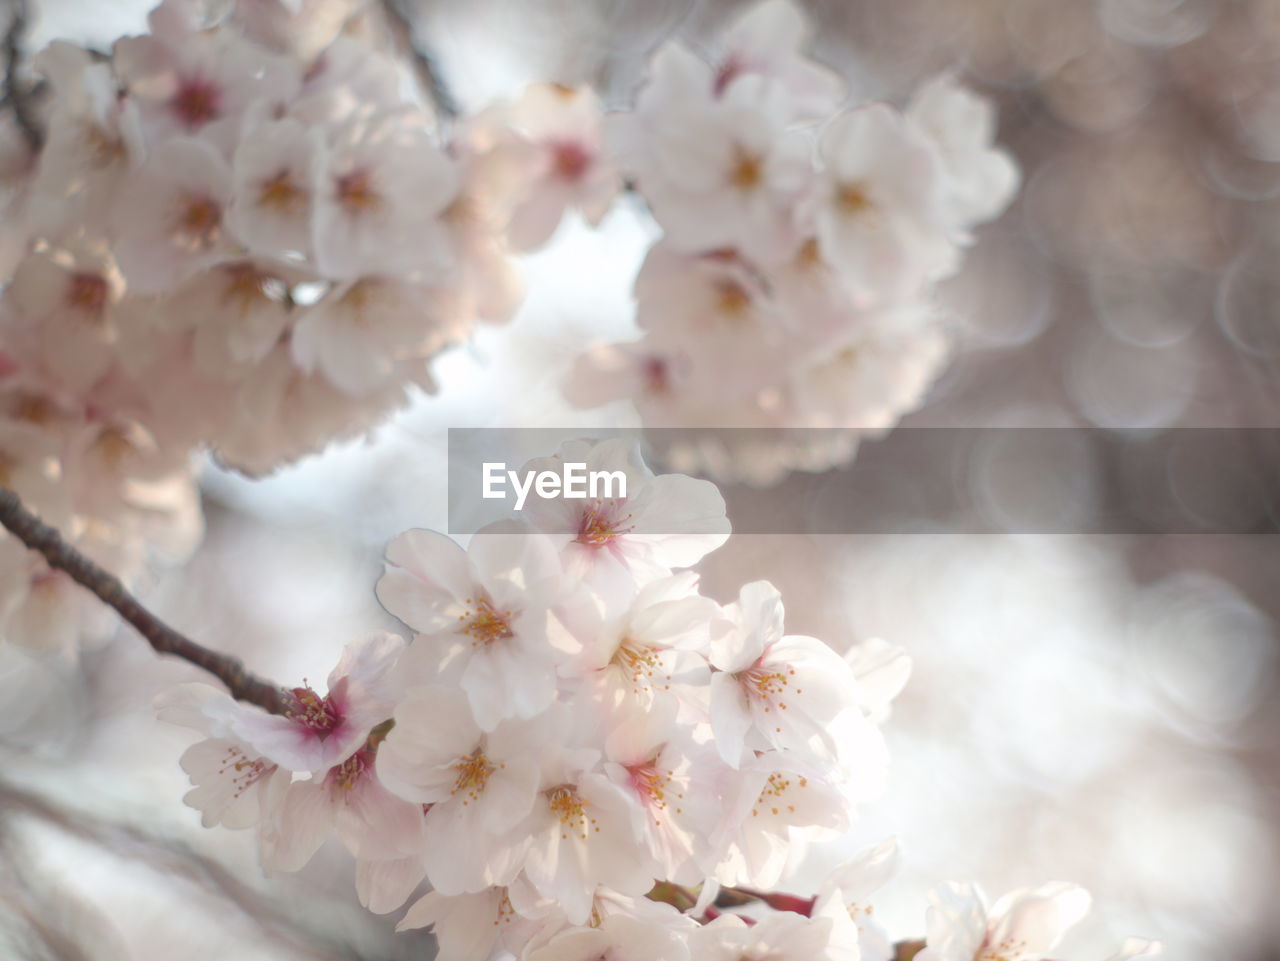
{"x":423,"y":61}
{"x":40,"y":537}
{"x":16,"y":97}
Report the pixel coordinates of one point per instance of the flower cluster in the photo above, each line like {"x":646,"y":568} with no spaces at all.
{"x":792,"y":285}
{"x":572,"y":724}
{"x":586,"y":758}
{"x":244,"y":233}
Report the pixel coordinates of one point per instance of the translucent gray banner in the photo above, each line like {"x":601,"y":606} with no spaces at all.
{"x":916,"y":480}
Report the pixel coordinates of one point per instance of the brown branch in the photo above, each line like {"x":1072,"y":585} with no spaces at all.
{"x":40,"y":537}
{"x":423,"y":61}
{"x":16,"y":96}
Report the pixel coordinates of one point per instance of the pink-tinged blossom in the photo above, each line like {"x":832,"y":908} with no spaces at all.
{"x":190,"y":82}
{"x":774,"y":803}
{"x":478,"y":785}
{"x":380,"y":197}
{"x":483,"y":615}
{"x":782,"y":936}
{"x":1024,"y":925}
{"x":674,"y":782}
{"x":770,"y":39}
{"x":232,"y":786}
{"x":654,"y":649}
{"x":583,"y":834}
{"x":550,"y":145}
{"x":273,"y":176}
{"x":320,"y":731}
{"x":617,"y":543}
{"x":357,"y":334}
{"x":470,"y":927}
{"x":979,"y":179}
{"x":847,"y":890}
{"x":726,"y":171}
{"x":169,"y":218}
{"x":880,"y":213}
{"x":772,"y":690}
{"x":617,"y":937}
{"x":347,"y":800}
{"x":93,"y":137}
{"x":65,"y":301}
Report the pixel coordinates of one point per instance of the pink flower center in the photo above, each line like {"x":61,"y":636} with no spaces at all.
{"x":88,"y":292}
{"x":773,"y":795}
{"x":570,"y":160}
{"x":316,"y":713}
{"x":347,"y":775}
{"x":653,"y":787}
{"x":245,"y":771}
{"x":355,"y":191}
{"x":598,"y":526}
{"x":197,"y":102}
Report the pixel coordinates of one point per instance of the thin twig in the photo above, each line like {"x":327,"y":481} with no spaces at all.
{"x":16,"y":97}
{"x":40,"y":537}
{"x":423,"y":61}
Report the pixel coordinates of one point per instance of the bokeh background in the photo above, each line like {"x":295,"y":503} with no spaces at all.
{"x":1101,"y":709}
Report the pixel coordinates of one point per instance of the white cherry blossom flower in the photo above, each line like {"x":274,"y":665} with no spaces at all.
{"x":319,"y":732}
{"x":169,"y":217}
{"x":380,"y":197}
{"x":772,"y":690}
{"x":1024,"y":925}
{"x":616,"y":543}
{"x":478,"y":785}
{"x":880,"y":214}
{"x":979,"y":179}
{"x":770,"y":39}
{"x":484,"y":616}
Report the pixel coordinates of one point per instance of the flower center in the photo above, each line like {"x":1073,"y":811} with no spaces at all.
{"x":356,"y":192}
{"x":732,"y":299}
{"x":775,"y":789}
{"x":639,"y":663}
{"x":281,"y":194}
{"x":483,"y":624}
{"x":198,"y":222}
{"x":569,"y":160}
{"x":748,"y":169}
{"x":350,"y":772}
{"x":852,"y":199}
{"x":88,"y":292}
{"x":246,"y":771}
{"x":597,"y":526}
{"x":314,"y":712}
{"x":654,"y":787}
{"x":566,"y":804}
{"x":473,"y":774}
{"x":196,"y":102}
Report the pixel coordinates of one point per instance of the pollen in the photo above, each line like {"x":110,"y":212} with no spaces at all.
{"x":483,"y":623}
{"x":566,"y":804}
{"x":196,"y":103}
{"x":314,"y":712}
{"x":89,"y":293}
{"x":104,"y":148}
{"x":281,"y":194}
{"x":651,"y":784}
{"x":640,"y":664}
{"x":748,"y":170}
{"x":852,"y":199}
{"x":597,"y":526}
{"x":243,"y":770}
{"x":473,"y":774}
{"x":773,"y":793}
{"x":356,"y":192}
{"x":349,"y":773}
